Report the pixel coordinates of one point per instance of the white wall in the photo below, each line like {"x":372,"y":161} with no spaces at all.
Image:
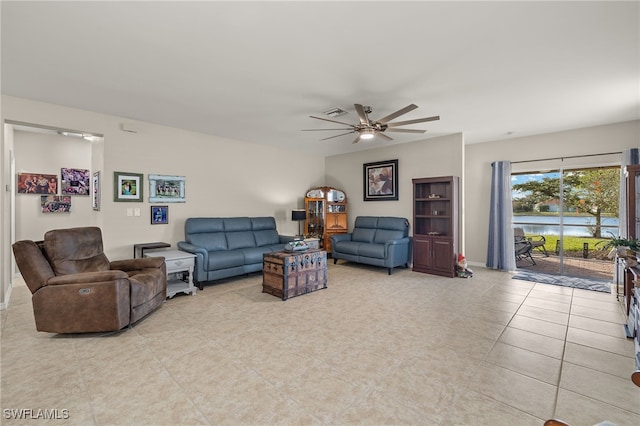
{"x":47,"y":154}
{"x":224,"y":177}
{"x":441,"y":156}
{"x":579,"y":142}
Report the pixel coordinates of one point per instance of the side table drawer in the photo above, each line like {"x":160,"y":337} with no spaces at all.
{"x":179,"y":264}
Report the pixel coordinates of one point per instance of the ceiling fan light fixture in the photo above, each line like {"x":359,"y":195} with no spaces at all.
{"x":367,"y":134}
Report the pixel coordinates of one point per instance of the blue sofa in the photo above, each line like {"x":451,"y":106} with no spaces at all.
{"x":230,"y":246}
{"x":375,"y":240}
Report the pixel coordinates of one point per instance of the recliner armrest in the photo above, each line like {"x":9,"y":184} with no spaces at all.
{"x":137,"y":264}
{"x":88,"y":277}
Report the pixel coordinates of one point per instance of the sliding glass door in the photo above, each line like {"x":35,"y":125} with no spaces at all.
{"x":567,"y":215}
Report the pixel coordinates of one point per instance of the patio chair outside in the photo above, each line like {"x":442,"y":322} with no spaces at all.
{"x":537,"y":241}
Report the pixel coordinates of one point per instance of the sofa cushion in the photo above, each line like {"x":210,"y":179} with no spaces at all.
{"x":371,"y":250}
{"x":266,"y":237}
{"x":198,"y":225}
{"x":384,"y":235}
{"x":241,"y":239}
{"x":232,"y":224}
{"x":363,"y":235}
{"x":213,"y":241}
{"x":261,"y":223}
{"x":394,"y":223}
{"x":225,"y":259}
{"x":254,"y":254}
{"x":366,"y":222}
{"x":206,"y":232}
{"x":347,"y":247}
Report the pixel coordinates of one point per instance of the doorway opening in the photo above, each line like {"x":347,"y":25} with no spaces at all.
{"x":568,"y":216}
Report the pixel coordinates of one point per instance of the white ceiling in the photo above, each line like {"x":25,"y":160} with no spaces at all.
{"x":255,"y":71}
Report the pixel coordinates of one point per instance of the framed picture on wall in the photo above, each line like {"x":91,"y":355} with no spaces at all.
{"x":159,"y":215}
{"x":380,"y":181}
{"x":37,"y":183}
{"x":74,"y":181}
{"x":95,"y":191}
{"x":127,"y":186}
{"x":55,"y":204}
{"x":166,"y":189}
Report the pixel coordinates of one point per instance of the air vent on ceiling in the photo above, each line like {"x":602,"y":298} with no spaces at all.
{"x":335,"y":112}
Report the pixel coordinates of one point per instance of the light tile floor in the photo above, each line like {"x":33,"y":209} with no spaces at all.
{"x":374,"y":349}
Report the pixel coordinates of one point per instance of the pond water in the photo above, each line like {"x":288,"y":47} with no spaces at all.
{"x":574,"y":226}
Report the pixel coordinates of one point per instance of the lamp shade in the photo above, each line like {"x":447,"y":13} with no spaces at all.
{"x":298,"y":215}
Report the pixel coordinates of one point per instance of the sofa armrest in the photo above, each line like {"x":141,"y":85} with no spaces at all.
{"x":405,"y":240}
{"x":137,"y":264}
{"x":88,"y":277}
{"x":286,"y":238}
{"x":336,"y":238}
{"x":202,"y":259}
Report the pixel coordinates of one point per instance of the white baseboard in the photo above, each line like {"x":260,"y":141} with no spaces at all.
{"x":7,"y":297}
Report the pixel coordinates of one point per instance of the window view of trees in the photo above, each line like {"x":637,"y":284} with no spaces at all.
{"x":589,"y":192}
{"x":588,"y":207}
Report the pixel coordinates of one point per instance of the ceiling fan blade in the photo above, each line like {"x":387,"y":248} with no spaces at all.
{"x":405,"y":130}
{"x":417,"y":120}
{"x":397,"y":113}
{"x":364,"y":119}
{"x":321,"y":130}
{"x":357,"y":139}
{"x":331,"y":137}
{"x":383,"y":136}
{"x":332,"y":121}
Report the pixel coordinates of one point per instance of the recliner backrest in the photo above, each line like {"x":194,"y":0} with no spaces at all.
{"x":75,"y":250}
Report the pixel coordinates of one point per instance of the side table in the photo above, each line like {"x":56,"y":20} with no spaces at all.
{"x":141,"y":247}
{"x":180,"y":266}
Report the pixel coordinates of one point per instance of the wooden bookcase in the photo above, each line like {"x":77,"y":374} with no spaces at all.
{"x":435,"y":225}
{"x":326,"y":209}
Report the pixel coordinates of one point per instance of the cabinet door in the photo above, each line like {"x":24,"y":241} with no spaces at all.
{"x":421,"y":254}
{"x":443,"y":255}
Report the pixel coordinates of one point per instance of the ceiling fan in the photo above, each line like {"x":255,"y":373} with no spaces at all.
{"x":368,"y":128}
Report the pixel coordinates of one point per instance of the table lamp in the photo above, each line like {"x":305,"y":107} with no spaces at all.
{"x":299,"y":215}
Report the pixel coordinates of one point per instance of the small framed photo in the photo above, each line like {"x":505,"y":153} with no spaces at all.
{"x":55,"y":204}
{"x":380,"y":181}
{"x":95,"y":191}
{"x":159,"y":215}
{"x":75,"y":181}
{"x":166,"y":189}
{"x":127,"y":186}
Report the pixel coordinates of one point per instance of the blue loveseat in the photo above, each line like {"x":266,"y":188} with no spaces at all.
{"x":375,"y":240}
{"x":230,"y":246}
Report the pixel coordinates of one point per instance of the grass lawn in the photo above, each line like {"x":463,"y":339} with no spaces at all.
{"x":573,"y":246}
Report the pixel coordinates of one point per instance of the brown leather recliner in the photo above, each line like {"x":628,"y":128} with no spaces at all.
{"x":77,"y":290}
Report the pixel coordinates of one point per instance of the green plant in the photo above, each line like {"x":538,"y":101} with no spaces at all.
{"x":632,"y":243}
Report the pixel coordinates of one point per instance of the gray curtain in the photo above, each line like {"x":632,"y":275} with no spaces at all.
{"x":629,"y":156}
{"x":500,"y":249}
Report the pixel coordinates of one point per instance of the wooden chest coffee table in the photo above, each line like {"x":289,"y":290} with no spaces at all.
{"x":288,"y":274}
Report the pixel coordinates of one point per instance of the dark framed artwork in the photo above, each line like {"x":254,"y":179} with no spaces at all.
{"x":380,"y":181}
{"x":55,"y":204}
{"x":159,"y":215}
{"x":127,"y":186}
{"x":166,"y":189}
{"x":37,"y":183}
{"x":96,"y":191}
{"x":74,"y":181}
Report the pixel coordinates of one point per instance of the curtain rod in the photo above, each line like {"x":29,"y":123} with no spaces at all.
{"x":569,"y":156}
